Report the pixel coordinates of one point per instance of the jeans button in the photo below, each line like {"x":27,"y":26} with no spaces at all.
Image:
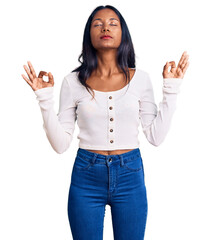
{"x":110,"y":160}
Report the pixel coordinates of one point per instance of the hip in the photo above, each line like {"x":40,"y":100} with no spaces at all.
{"x":108,"y":169}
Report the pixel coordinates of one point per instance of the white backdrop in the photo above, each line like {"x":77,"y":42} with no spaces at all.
{"x":34,"y":180}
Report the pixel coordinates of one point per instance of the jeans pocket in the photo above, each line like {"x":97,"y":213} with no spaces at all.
{"x":82,"y":163}
{"x":133,"y":165}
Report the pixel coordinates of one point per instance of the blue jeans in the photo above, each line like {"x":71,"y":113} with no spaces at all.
{"x":116,"y":180}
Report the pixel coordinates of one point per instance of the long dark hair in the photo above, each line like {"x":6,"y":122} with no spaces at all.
{"x":125,"y":52}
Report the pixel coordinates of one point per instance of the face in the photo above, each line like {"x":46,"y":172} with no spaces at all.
{"x":105,"y":22}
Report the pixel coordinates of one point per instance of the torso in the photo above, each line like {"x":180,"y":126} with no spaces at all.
{"x":105,"y":85}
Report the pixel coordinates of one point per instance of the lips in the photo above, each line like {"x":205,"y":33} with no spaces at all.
{"x":105,"y":36}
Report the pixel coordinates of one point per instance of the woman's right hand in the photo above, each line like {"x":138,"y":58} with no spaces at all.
{"x":37,"y":82}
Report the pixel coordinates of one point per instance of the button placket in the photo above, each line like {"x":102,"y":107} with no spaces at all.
{"x":111,"y":119}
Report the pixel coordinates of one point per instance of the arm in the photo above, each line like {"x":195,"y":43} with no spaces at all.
{"x":156,"y":123}
{"x":59,"y":127}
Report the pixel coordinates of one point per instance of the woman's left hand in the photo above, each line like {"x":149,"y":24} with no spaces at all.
{"x":179,"y":71}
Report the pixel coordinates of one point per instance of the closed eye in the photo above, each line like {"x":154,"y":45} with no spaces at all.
{"x":101,"y":24}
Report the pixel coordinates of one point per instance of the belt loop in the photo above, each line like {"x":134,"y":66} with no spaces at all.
{"x":94,"y":158}
{"x":121,"y":160}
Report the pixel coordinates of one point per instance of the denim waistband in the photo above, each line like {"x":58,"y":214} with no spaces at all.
{"x":91,"y":156}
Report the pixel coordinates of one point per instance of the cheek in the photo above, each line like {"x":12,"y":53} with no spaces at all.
{"x":119,"y":36}
{"x":91,"y":34}
{"x":93,"y":37}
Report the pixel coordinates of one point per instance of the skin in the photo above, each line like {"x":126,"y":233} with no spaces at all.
{"x":108,"y":76}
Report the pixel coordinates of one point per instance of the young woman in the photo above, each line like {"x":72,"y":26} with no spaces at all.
{"x":108,"y":167}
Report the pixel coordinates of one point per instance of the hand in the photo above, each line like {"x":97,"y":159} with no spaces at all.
{"x":37,"y":82}
{"x":179,"y":71}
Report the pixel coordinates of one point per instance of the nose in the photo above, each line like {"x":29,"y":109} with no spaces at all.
{"x":105,"y":29}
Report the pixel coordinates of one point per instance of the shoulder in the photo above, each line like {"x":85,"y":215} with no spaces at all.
{"x":140,"y":82}
{"x":142,"y":74}
{"x":76,"y":88}
{"x":141,"y":78}
{"x":72,"y":78}
{"x":73,"y":81}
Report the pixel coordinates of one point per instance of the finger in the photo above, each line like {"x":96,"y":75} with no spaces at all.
{"x":185,"y":68}
{"x":165,"y":68}
{"x":32,"y":69}
{"x":182,"y":58}
{"x":180,"y":73}
{"x":28,"y":73}
{"x":26,"y":79}
{"x":50,"y":76}
{"x":173,"y":66}
{"x":42,"y":73}
{"x":184,"y":62}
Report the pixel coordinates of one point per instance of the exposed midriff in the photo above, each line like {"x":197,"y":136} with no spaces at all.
{"x":113,"y":152}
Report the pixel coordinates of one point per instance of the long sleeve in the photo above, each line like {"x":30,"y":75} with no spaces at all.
{"x":156,"y":122}
{"x":59,"y":127}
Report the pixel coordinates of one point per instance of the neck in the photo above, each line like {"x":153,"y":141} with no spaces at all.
{"x":107,"y":63}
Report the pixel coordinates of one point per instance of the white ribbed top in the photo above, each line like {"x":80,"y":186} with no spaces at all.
{"x":111,"y":120}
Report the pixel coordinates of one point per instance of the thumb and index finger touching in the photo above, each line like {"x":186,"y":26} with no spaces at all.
{"x":167,"y":65}
{"x":50,"y":76}
{"x":41,"y":73}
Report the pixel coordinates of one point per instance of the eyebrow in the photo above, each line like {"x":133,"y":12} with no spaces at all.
{"x":101,"y":19}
